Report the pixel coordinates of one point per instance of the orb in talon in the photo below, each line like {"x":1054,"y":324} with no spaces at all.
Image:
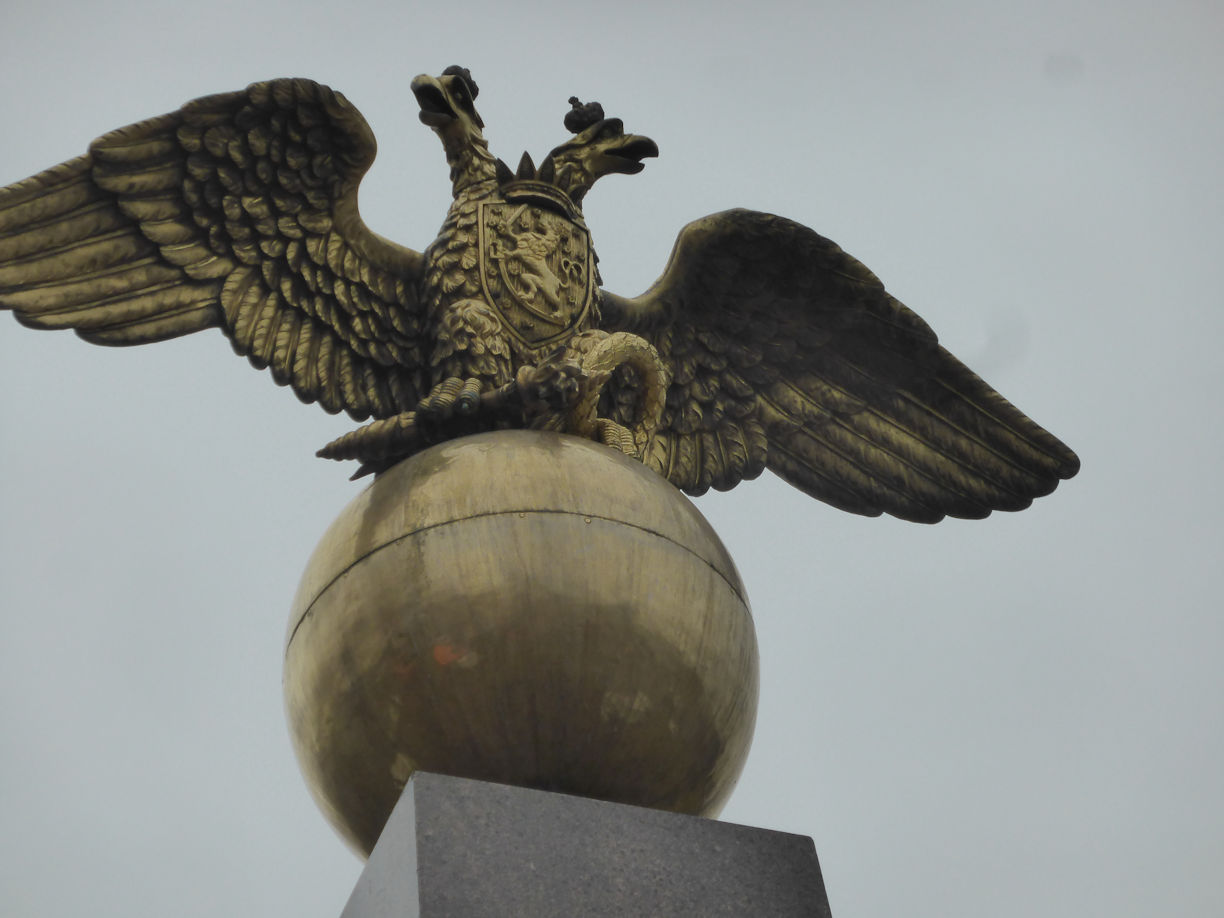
{"x":525,"y":607}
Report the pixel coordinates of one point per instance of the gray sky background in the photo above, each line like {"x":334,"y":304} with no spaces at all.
{"x":1011,"y":717}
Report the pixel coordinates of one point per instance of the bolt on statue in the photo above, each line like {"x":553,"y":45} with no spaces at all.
{"x":763,"y":344}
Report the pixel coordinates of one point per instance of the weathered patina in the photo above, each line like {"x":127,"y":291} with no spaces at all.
{"x":485,"y":610}
{"x":762,"y":345}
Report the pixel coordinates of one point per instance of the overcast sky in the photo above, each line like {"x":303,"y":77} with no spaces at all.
{"x":1010,"y":717}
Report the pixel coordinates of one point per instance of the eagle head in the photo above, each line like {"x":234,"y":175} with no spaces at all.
{"x":600,"y":147}
{"x":447,"y":104}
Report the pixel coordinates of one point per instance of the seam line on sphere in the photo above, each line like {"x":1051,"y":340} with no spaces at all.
{"x":512,"y":512}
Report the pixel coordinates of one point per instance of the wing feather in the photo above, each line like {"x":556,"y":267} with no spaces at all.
{"x":226,"y":214}
{"x":168,"y":323}
{"x":263,"y":335}
{"x":239,"y":298}
{"x":306,"y":358}
{"x":81,"y":293}
{"x":125,"y":309}
{"x":765,"y":321}
{"x":284,"y":346}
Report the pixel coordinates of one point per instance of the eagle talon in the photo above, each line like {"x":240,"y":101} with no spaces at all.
{"x":550,"y":387}
{"x":439,"y":404}
{"x":467,"y":402}
{"x":617,"y":436}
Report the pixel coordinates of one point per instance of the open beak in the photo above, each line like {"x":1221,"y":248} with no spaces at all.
{"x":626,"y":154}
{"x":436,"y":107}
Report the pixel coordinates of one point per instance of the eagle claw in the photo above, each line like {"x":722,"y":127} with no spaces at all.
{"x":445,"y":399}
{"x":549,"y":388}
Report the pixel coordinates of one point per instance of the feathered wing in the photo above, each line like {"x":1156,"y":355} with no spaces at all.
{"x":237,"y":211}
{"x":787,"y":353}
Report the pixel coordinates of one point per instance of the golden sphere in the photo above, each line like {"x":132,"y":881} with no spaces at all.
{"x":522,"y":607}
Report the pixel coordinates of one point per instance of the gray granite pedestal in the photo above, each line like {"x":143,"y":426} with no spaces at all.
{"x":456,"y":848}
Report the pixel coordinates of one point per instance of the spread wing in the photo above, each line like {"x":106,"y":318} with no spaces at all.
{"x":787,"y":353}
{"x":237,"y":211}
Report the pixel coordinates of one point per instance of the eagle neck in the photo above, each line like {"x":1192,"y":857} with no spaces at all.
{"x":469,"y":164}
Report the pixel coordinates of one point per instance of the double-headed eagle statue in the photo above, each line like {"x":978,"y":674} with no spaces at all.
{"x":763,"y":344}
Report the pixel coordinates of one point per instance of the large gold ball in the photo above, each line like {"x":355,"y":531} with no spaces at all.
{"x":521,"y":607}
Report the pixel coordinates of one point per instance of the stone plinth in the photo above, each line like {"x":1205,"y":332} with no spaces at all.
{"x":457,"y":848}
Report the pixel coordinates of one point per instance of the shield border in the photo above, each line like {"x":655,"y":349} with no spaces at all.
{"x":579,"y":316}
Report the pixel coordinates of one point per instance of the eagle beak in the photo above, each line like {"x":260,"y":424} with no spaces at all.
{"x":615,"y":151}
{"x":630,"y":151}
{"x":435,"y":105}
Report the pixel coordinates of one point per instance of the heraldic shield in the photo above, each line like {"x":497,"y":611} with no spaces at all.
{"x":536,"y":270}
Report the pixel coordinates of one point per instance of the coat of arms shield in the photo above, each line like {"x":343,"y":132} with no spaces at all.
{"x":535,"y":270}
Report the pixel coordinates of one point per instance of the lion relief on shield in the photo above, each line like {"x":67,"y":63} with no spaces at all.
{"x":535,"y":270}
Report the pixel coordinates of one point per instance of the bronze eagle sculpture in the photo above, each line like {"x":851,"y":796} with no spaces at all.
{"x":762,"y":345}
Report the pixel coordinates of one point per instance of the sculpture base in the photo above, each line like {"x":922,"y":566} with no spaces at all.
{"x":458,"y":848}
